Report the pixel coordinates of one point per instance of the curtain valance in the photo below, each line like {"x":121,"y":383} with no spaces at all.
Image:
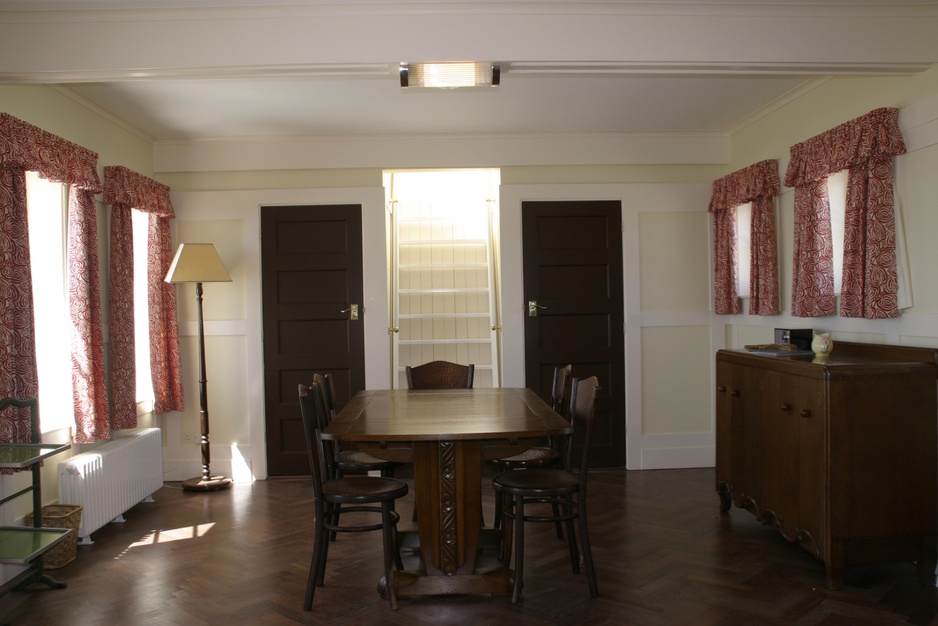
{"x":25,"y":146}
{"x":745,"y":185}
{"x":135,"y":191}
{"x":875,"y":134}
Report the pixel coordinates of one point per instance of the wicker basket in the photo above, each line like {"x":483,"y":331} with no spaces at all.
{"x":60,"y":516}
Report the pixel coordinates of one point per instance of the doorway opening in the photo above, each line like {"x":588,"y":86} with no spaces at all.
{"x":443,"y":278}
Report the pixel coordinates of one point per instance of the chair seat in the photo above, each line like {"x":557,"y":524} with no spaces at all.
{"x":349,"y":460}
{"x":537,"y":482}
{"x":363,"y":489}
{"x":532,"y":457}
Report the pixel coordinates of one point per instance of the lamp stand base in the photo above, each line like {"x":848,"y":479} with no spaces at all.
{"x":215,"y":483}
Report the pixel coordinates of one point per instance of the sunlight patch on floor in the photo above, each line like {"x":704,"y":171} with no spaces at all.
{"x":173,"y":534}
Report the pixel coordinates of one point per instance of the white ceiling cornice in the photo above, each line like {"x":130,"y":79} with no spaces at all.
{"x":725,"y":38}
{"x":131,"y":10}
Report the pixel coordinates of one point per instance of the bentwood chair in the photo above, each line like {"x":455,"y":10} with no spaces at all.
{"x":560,"y":389}
{"x":354,"y":494}
{"x":352,"y":461}
{"x":562,"y":487}
{"x":541,"y":456}
{"x":440,"y":375}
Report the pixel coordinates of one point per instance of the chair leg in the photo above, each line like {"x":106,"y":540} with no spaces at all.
{"x":571,"y":539}
{"x":396,"y":549}
{"x":587,"y":552}
{"x":324,"y":553}
{"x":558,"y":524}
{"x":333,"y":534}
{"x":519,"y":548}
{"x":507,"y":532}
{"x":314,"y":566}
{"x":388,"y":542}
{"x":497,"y":522}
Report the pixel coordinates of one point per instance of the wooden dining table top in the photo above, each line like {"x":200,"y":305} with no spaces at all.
{"x":388,"y":415}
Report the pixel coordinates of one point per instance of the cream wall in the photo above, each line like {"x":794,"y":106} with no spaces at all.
{"x":831,"y":103}
{"x":670,"y":333}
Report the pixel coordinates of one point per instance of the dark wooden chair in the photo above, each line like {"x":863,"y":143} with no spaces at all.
{"x":560,"y":389}
{"x":334,"y":497}
{"x":440,"y":375}
{"x":349,"y":460}
{"x":546,"y":455}
{"x":563,"y":487}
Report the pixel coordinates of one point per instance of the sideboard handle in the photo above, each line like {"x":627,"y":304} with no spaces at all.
{"x":721,"y":388}
{"x":735,"y":393}
{"x":785,"y":406}
{"x":805,"y":412}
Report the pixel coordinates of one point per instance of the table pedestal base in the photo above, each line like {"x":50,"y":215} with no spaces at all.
{"x":449,"y":523}
{"x":498,"y":581}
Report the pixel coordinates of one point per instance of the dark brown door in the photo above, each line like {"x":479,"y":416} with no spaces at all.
{"x":311,"y":258}
{"x":573,"y":280}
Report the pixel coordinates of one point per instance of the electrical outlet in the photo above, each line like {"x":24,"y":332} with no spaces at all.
{"x":190,"y":438}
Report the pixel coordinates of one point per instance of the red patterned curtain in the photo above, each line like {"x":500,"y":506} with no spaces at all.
{"x":126,"y":190}
{"x":758,"y":184}
{"x":864,"y":146}
{"x":89,"y":381}
{"x":18,"y":377}
{"x":24,"y":147}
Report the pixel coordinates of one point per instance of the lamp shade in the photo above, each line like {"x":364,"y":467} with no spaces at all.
{"x":197,"y":263}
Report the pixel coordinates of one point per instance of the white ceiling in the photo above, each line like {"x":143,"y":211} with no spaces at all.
{"x":243,"y":68}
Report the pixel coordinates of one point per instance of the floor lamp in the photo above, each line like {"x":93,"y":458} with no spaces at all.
{"x":199,"y":263}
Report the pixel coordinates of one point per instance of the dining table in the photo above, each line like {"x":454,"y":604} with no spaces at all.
{"x":448,"y":435}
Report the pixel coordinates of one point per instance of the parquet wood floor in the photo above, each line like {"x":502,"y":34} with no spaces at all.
{"x":664,"y":555}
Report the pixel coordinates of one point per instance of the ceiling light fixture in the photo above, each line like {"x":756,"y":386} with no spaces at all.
{"x":450,"y":75}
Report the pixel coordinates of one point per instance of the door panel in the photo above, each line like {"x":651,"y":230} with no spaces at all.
{"x":572,"y":255}
{"x":311,"y":259}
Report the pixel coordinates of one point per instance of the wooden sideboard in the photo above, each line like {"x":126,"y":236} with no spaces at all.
{"x":837,"y":453}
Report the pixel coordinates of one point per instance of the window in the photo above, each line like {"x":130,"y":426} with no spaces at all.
{"x":47,"y":207}
{"x":743,"y":249}
{"x":837,"y":193}
{"x":141,"y":223}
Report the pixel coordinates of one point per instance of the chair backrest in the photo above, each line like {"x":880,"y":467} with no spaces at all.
{"x":582,"y":411}
{"x":26,"y":403}
{"x":560,"y":389}
{"x":328,"y":395}
{"x":440,"y":375}
{"x":320,"y":456}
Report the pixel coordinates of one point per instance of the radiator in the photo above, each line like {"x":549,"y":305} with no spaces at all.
{"x":111,"y":478}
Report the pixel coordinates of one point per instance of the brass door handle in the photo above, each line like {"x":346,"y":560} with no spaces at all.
{"x":352,"y":310}
{"x":533,"y":306}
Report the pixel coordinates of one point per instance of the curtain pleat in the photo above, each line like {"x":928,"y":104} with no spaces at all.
{"x":89,"y":381}
{"x":18,"y":375}
{"x":164,"y":332}
{"x":812,"y":289}
{"x":725,"y":298}
{"x":121,"y":304}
